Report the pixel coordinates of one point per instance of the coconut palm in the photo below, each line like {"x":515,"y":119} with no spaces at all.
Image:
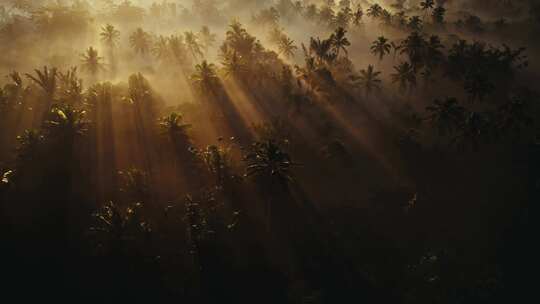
{"x":357,"y":17}
{"x":110,"y":35}
{"x":268,"y":161}
{"x":161,"y":49}
{"x":66,"y":122}
{"x":477,"y":86}
{"x":172,"y":125}
{"x":414,"y":46}
{"x":192,"y":43}
{"x":207,"y":38}
{"x":415,"y":23}
{"x":322,"y":49}
{"x":178,"y":49}
{"x":339,"y":41}
{"x":233,"y":65}
{"x":28,"y":144}
{"x":286,"y":47}
{"x":368,"y":79}
{"x":46,"y":80}
{"x":140,"y":41}
{"x":427,"y":5}
{"x":404,"y":75}
{"x":205,"y":76}
{"x":326,"y":15}
{"x":217,"y":161}
{"x":381,"y":47}
{"x":433,"y":54}
{"x":71,"y":88}
{"x":438,"y":14}
{"x":375,"y":11}
{"x":446,"y":115}
{"x":91,"y":62}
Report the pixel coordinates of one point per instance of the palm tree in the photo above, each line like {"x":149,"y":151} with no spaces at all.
{"x":233,"y":65}
{"x":405,"y":76}
{"x":381,"y":47}
{"x":178,"y":48}
{"x":217,"y":161}
{"x":66,"y":122}
{"x":415,"y":23}
{"x":205,"y":76}
{"x":326,"y":15}
{"x":357,"y":17}
{"x":161,"y":49}
{"x":438,"y":14}
{"x":110,"y":35}
{"x":368,"y":79}
{"x":375,"y":11}
{"x":477,"y":86}
{"x":433,"y":53}
{"x":266,"y":160}
{"x":286,"y":47}
{"x":193,"y":45}
{"x":29,"y":143}
{"x":173,"y":126}
{"x":339,"y":41}
{"x":208,"y":39}
{"x":447,"y":116}
{"x":427,"y":5}
{"x":91,"y":62}
{"x":45,"y":79}
{"x":140,"y":41}
{"x":322,"y":49}
{"x":414,"y":46}
{"x":71,"y":88}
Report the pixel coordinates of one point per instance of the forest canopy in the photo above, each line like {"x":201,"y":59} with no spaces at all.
{"x":249,"y":151}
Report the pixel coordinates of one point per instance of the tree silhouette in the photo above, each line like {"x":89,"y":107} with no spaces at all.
{"x":66,"y":122}
{"x":192,"y":43}
{"x":161,"y":49}
{"x":375,"y":11}
{"x":339,"y":41}
{"x":205,"y":76}
{"x":91,"y":62}
{"x":109,"y":35}
{"x":427,"y":5}
{"x":140,"y":41}
{"x":172,"y":125}
{"x":368,"y":80}
{"x":404,"y":75}
{"x":414,"y":46}
{"x":438,"y":15}
{"x":207,"y":38}
{"x":46,"y":80}
{"x":357,"y":17}
{"x":233,"y":65}
{"x":71,"y":87}
{"x":381,"y":47}
{"x":267,"y":160}
{"x":322,"y":49}
{"x":286,"y":47}
{"x":446,"y":115}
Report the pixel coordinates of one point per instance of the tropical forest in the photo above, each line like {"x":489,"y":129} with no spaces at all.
{"x":269,"y":151}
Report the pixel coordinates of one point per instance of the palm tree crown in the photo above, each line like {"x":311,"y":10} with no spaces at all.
{"x":109,"y":35}
{"x":91,"y":62}
{"x":140,"y":41}
{"x":381,"y":47}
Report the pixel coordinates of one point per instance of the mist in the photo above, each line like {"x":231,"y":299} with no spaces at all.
{"x":250,"y":151}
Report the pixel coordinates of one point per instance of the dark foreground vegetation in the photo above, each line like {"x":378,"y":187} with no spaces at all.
{"x":269,"y":151}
